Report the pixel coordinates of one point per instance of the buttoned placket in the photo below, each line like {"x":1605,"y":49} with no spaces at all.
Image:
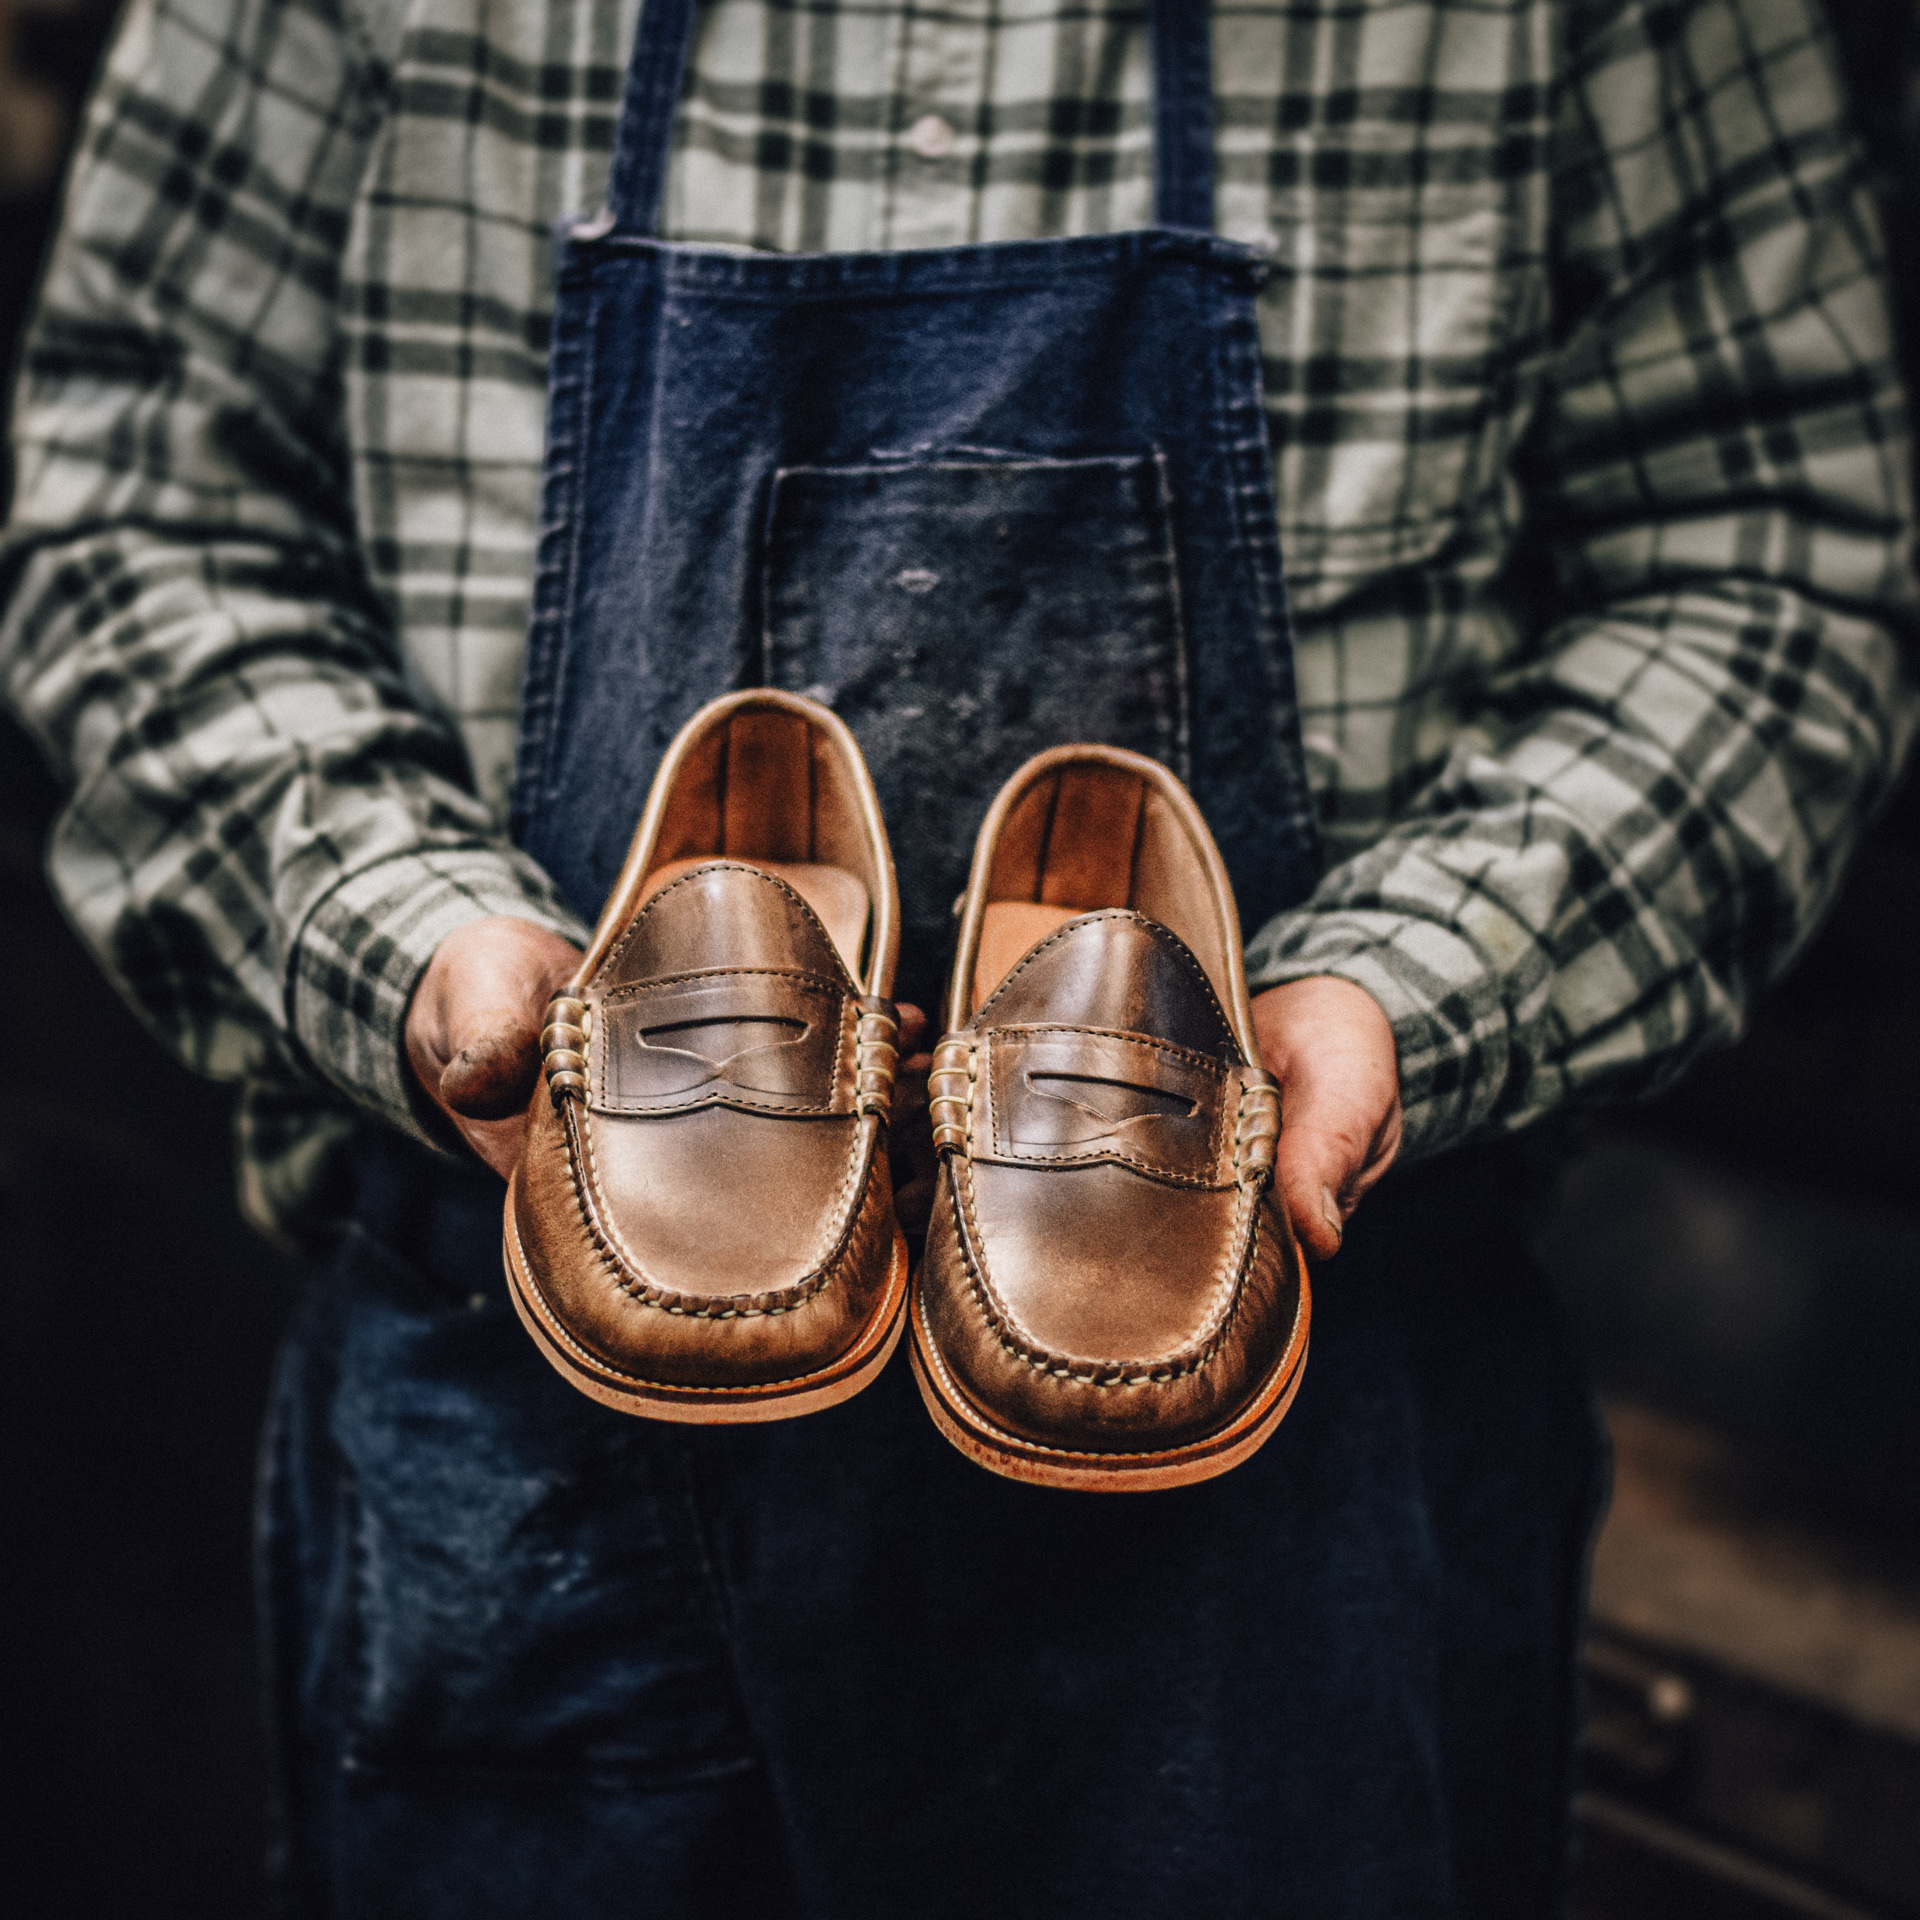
{"x":941,"y":75}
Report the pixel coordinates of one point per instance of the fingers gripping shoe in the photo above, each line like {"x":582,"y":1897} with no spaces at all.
{"x":701,"y":1227}
{"x":1111,"y":1297}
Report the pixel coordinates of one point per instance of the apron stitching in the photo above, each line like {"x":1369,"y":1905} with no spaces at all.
{"x":1176,"y":610}
{"x":578,"y":440}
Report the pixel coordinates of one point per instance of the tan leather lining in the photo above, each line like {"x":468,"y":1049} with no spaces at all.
{"x":767,"y":777}
{"x":772,"y":780}
{"x":1091,"y":838}
{"x":1086,"y":834}
{"x":1009,"y":930}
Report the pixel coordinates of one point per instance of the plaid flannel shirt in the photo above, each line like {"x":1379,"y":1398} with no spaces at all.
{"x":1591,"y":474}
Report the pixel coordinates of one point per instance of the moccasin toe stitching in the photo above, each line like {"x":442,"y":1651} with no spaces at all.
{"x":1134,"y":1402}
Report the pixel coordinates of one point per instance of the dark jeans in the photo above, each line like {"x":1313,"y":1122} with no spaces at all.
{"x":530,"y":1654}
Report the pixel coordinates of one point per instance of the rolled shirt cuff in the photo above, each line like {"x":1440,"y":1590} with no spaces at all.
{"x":356,"y":962}
{"x":1452,"y":1025}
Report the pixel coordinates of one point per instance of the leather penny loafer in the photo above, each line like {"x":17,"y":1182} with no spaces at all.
{"x":1111,"y":1297}
{"x":701,"y":1227}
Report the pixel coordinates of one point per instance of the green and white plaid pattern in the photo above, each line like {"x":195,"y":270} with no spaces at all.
{"x":1591,"y":469}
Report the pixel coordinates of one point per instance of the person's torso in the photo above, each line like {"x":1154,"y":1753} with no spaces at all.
{"x":1393,"y":156}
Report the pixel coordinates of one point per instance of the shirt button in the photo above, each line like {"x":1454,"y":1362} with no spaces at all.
{"x":931,"y":137}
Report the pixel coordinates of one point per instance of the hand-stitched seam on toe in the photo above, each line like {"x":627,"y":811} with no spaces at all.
{"x":1198,"y":1353}
{"x":629,"y":1275}
{"x":1039,"y":1448}
{"x":551,"y":1322}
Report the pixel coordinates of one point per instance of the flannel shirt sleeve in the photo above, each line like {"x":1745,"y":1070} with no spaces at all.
{"x":268,"y":832}
{"x":1649,"y":804}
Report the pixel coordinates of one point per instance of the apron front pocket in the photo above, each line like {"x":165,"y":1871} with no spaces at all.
{"x":963,"y":609}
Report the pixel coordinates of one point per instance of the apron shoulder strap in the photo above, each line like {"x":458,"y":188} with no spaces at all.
{"x":643,"y":146}
{"x":1182,"y":113}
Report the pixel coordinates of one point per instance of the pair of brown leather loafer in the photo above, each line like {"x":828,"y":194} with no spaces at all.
{"x":702,"y":1225}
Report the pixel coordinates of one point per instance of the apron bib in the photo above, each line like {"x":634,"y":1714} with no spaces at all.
{"x":979,"y":500}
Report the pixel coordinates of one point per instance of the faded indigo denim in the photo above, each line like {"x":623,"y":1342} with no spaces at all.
{"x":535,"y":1655}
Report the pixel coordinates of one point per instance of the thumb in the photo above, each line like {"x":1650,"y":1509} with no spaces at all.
{"x":1331,"y":1048}
{"x":1316,"y":1167}
{"x":493,"y":1075}
{"x":474,"y":1035}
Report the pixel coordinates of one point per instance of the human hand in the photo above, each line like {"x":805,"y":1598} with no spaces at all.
{"x":473,"y":1028}
{"x":1331,"y":1048}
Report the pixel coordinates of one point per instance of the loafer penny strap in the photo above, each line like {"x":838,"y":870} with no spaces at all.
{"x":1063,"y":1096}
{"x":756,"y":1039}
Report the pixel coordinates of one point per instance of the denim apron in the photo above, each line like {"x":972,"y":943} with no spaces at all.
{"x":529,"y":1654}
{"x":979,"y":500}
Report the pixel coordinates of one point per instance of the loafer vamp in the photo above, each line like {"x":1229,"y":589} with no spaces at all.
{"x":762,"y":1305}
{"x":1095,"y":1302}
{"x":1114,"y":972}
{"x":715,"y":1211}
{"x":772,"y":1197}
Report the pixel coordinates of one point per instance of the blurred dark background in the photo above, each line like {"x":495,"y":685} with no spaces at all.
{"x":1742,"y":1262}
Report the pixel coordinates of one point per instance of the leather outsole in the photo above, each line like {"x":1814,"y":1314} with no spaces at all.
{"x":827,"y":1386}
{"x":1015,"y":1458}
